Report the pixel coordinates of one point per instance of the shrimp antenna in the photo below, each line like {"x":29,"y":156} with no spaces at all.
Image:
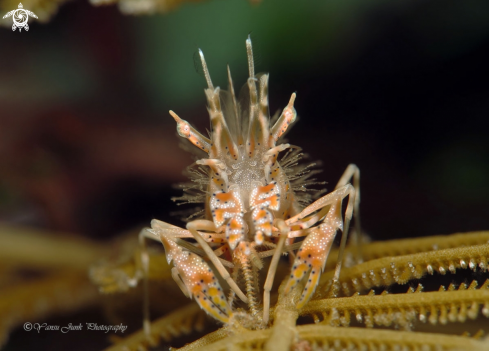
{"x":249,"y":51}
{"x":206,"y":70}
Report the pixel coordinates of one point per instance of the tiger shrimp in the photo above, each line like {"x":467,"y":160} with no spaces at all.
{"x":252,"y":208}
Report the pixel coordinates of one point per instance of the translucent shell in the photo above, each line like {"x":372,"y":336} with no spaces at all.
{"x":242,"y":157}
{"x":313,"y":253}
{"x":185,"y":130}
{"x":311,"y":258}
{"x":268,"y":196}
{"x":225,"y":206}
{"x":235,"y":231}
{"x":251,"y":210}
{"x":198,"y":279}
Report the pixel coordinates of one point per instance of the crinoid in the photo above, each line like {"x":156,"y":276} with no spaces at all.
{"x":46,"y":278}
{"x":253,"y":210}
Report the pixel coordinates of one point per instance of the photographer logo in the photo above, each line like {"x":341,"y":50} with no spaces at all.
{"x":20,"y":17}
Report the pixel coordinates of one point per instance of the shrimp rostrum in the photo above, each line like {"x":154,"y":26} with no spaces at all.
{"x":252,"y":207}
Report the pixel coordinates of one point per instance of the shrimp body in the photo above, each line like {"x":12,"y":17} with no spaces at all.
{"x":251,"y":207}
{"x":247,"y":189}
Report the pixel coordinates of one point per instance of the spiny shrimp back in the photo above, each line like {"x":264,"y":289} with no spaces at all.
{"x":247,"y":187}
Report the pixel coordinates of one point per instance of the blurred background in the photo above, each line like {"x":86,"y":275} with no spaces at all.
{"x":399,"y":88}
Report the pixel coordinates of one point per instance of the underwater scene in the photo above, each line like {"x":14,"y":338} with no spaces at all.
{"x":244,"y":175}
